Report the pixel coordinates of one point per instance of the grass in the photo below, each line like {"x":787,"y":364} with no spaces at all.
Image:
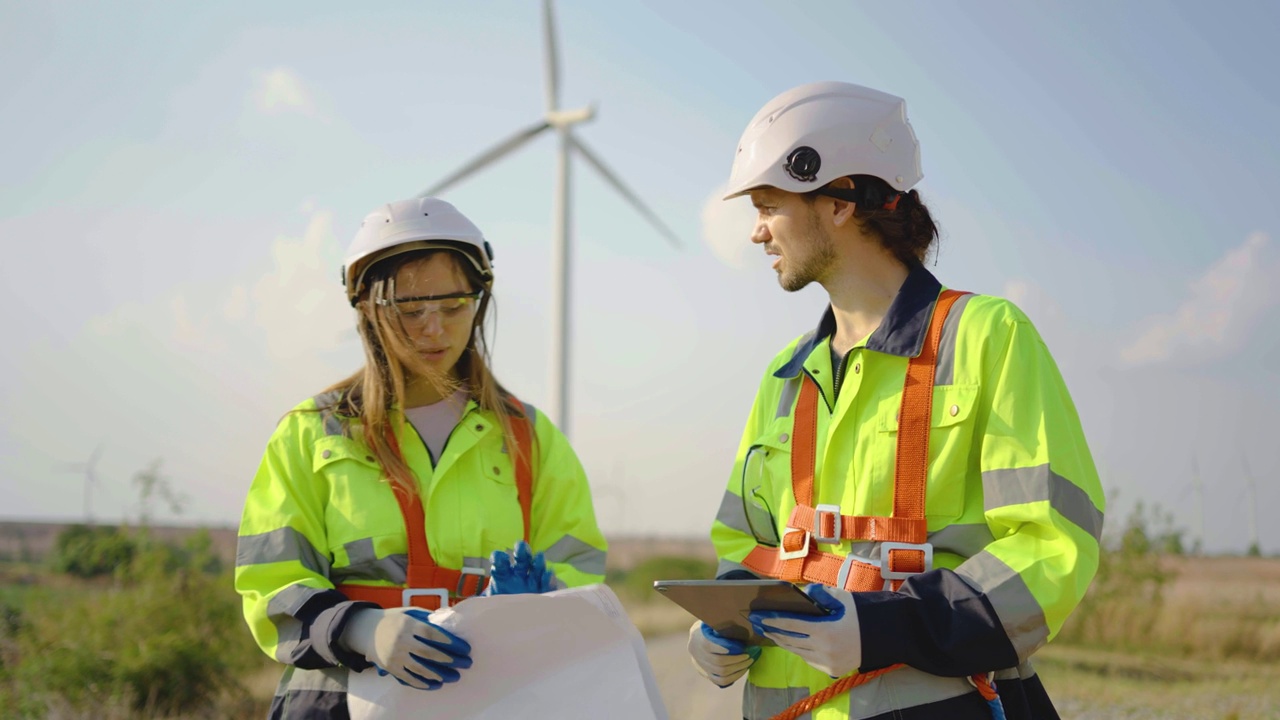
{"x":1200,"y":641}
{"x":1088,"y":684}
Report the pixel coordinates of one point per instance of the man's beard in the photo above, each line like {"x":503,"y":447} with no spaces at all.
{"x":821,"y":255}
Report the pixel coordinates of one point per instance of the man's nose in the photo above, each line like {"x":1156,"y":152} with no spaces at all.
{"x":760,"y":233}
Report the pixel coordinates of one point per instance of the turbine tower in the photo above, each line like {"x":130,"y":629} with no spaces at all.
{"x":90,"y":470}
{"x":1254,"y":546}
{"x":562,"y":122}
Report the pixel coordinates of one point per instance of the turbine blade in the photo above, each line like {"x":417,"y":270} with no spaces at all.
{"x":622,"y":189}
{"x":550,"y":59}
{"x":490,"y":155}
{"x":97,"y":452}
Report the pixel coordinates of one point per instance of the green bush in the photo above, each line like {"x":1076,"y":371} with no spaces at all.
{"x":87,"y":552}
{"x":158,"y":640}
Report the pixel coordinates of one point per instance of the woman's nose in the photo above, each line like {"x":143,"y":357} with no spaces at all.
{"x":434,"y":324}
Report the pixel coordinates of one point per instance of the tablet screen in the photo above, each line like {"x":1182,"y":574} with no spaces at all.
{"x":725,"y":604}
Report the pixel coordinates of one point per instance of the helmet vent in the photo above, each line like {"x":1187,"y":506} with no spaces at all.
{"x":803,"y":164}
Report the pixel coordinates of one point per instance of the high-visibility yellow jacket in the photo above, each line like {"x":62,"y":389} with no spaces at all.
{"x":320,"y":513}
{"x":1013,"y":504}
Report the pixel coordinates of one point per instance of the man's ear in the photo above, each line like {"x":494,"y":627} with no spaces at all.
{"x":842,"y":210}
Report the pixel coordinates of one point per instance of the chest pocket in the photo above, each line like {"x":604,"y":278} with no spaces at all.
{"x":359,"y":498}
{"x":764,"y":482}
{"x":951,"y":438}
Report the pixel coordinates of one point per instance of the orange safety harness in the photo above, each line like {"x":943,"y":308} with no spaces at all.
{"x":903,"y":537}
{"x":428,"y":585}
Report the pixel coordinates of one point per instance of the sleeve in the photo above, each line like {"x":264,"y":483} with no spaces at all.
{"x":1043,"y":504}
{"x":282,"y":572}
{"x":563,"y":517}
{"x":731,"y":531}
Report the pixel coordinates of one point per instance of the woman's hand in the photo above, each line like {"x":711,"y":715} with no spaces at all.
{"x":403,"y":642}
{"x":522,"y":572}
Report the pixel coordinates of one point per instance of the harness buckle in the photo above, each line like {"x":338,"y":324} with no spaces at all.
{"x":818,"y":512}
{"x":406,"y":597}
{"x":842,"y":577}
{"x":482,"y":573}
{"x":887,"y":547}
{"x":802,"y":551}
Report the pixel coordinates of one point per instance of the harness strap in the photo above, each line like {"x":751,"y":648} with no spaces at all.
{"x":428,"y":585}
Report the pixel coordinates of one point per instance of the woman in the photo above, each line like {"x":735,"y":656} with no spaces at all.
{"x":386,"y":495}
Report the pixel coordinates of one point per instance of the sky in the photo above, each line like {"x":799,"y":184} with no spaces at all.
{"x":179,"y":182}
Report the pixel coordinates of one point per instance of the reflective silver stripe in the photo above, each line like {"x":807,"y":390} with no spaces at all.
{"x":734,"y":512}
{"x":326,"y":403}
{"x":724,"y":567}
{"x":296,"y":679}
{"x":762,"y":703}
{"x":577,"y":554}
{"x":901,"y":689}
{"x":946,"y":370}
{"x":392,"y":568}
{"x":1019,"y":613}
{"x":364,"y":564}
{"x":790,"y":389}
{"x":1017,"y":486}
{"x":283,"y":545}
{"x":531,"y":413}
{"x":281,"y":611}
{"x":964,"y":540}
{"x":1025,"y":671}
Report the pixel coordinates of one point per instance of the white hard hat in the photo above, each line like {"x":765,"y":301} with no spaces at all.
{"x":421,"y":223}
{"x":810,"y":135}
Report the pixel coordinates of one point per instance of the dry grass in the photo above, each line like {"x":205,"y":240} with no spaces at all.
{"x":1208,"y":608}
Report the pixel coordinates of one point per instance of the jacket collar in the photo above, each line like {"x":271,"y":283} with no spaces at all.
{"x":901,"y":333}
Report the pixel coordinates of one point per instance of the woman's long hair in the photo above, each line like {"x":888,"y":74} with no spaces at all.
{"x":371,"y":393}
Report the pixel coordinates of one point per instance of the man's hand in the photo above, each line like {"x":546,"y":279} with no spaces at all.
{"x":717,"y":658}
{"x":831,"y":643}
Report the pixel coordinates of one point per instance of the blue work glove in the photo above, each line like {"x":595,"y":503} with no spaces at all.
{"x":831,"y":643}
{"x":716,"y":657}
{"x":526,"y":572}
{"x":404,"y":643}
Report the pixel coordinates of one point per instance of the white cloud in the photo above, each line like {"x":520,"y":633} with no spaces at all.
{"x":727,"y":226}
{"x":300,"y":303}
{"x":281,"y":90}
{"x":1222,"y":307}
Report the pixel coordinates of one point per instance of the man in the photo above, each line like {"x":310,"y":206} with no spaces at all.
{"x":916,"y":459}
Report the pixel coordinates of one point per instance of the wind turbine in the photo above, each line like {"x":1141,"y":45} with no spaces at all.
{"x":561,"y":121}
{"x":1254,"y":547}
{"x":90,"y":470}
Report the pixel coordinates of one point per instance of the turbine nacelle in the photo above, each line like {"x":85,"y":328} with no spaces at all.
{"x":561,"y":119}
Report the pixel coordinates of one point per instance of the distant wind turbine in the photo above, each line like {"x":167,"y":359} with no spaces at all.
{"x":1253,"y":506}
{"x":562,"y":121}
{"x":90,"y":470}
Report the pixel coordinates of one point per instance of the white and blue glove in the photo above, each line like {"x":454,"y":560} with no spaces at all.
{"x":404,"y":643}
{"x":524,"y":571}
{"x":831,"y":643}
{"x":716,"y":657}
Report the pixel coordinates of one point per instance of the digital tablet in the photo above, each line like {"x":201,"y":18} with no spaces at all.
{"x":725,"y":604}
